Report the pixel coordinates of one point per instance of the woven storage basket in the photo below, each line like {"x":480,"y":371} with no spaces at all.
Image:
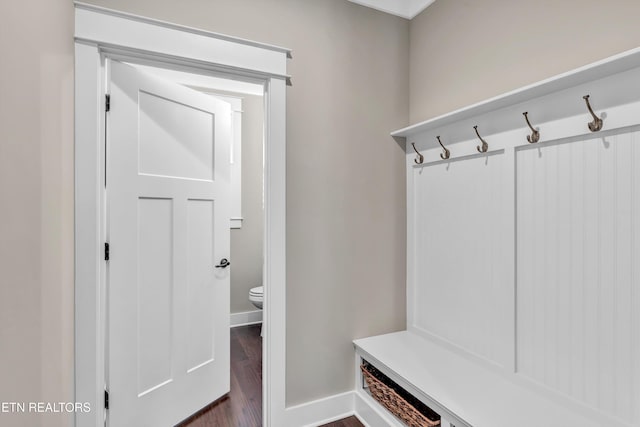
{"x":394,"y":403}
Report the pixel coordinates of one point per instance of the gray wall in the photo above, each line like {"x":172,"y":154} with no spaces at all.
{"x":345,"y":175}
{"x":36,"y":206}
{"x":346,"y":191}
{"x":247,"y":242}
{"x":465,"y":51}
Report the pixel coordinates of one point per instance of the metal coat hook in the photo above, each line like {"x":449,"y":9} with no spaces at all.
{"x":447,"y":153}
{"x":420,"y":159}
{"x":535,"y":135}
{"x":596,"y":124}
{"x":485,"y":146}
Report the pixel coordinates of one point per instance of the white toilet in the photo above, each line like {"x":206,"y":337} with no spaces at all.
{"x":256,"y":296}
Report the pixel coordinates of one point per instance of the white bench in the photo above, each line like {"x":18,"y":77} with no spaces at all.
{"x":465,"y":392}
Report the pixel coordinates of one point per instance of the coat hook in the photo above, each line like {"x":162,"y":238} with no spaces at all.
{"x":596,"y":124}
{"x":535,"y":136}
{"x":420,"y":157}
{"x":485,"y":146}
{"x":446,"y":154}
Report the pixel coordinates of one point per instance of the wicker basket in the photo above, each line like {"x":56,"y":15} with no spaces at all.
{"x":394,"y":403}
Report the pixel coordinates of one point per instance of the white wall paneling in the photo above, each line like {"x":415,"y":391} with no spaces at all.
{"x":522,"y":261}
{"x":576,"y":215}
{"x":458,"y":292}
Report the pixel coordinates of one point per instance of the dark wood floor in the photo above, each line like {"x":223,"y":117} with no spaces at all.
{"x":347,"y":422}
{"x":243,"y":406}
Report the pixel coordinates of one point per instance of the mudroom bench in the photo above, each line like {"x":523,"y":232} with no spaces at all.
{"x":523,"y":235}
{"x":464,"y":392}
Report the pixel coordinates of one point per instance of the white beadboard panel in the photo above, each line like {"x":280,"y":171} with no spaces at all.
{"x":576,"y":285}
{"x":459,"y":294}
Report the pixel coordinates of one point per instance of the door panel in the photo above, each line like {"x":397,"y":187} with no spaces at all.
{"x":175,"y":139}
{"x":168,"y":197}
{"x":201,"y":344}
{"x":155,"y":286}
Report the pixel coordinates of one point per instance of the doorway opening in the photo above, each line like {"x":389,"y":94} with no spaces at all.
{"x":105,"y":35}
{"x":242,"y":405}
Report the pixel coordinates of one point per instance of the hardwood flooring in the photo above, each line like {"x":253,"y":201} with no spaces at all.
{"x":347,"y":422}
{"x":242,"y":407}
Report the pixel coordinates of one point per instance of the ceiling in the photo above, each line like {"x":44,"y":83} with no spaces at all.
{"x":405,"y":8}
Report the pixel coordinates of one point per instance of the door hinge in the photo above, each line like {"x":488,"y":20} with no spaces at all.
{"x":106,"y":399}
{"x":106,"y":252}
{"x":107,"y":102}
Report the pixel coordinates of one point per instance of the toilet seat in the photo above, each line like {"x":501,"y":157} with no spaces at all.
{"x":256,"y":296}
{"x":258,"y":291}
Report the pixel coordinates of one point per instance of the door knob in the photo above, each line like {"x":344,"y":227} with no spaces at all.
{"x":224,"y":263}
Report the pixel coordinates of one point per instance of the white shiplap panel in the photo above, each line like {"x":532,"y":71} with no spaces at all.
{"x":591,"y":177}
{"x":563,"y":270}
{"x":459,"y":294}
{"x":577,"y":271}
{"x":525,"y":314}
{"x":622,"y":297}
{"x":548,"y":296}
{"x":606,"y":269}
{"x":635,"y":273}
{"x":576,"y":328}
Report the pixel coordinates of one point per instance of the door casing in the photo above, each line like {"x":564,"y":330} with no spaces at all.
{"x":99,"y":34}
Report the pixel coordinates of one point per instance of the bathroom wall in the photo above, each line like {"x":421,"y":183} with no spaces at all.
{"x":36,"y":207}
{"x":465,"y":51}
{"x":247,"y":242}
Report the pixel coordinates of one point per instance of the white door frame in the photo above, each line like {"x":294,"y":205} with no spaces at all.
{"x":102,"y":33}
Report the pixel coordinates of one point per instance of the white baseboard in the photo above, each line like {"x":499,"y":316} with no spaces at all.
{"x":245,"y":318}
{"x":321,"y":411}
{"x":370,"y":413}
{"x":337,"y":407}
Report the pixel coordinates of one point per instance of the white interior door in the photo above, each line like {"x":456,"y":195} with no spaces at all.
{"x":168,"y":195}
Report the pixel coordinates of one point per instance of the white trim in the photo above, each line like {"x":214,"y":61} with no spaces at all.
{"x":321,"y":411}
{"x":339,"y":406}
{"x":245,"y":318}
{"x":182,"y":28}
{"x":274,"y":348}
{"x":89,"y":236}
{"x":371,"y":414}
{"x":597,"y":70}
{"x":100,"y":33}
{"x":139,"y":36}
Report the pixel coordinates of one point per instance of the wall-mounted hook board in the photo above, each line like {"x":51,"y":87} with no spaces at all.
{"x":497,"y":241}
